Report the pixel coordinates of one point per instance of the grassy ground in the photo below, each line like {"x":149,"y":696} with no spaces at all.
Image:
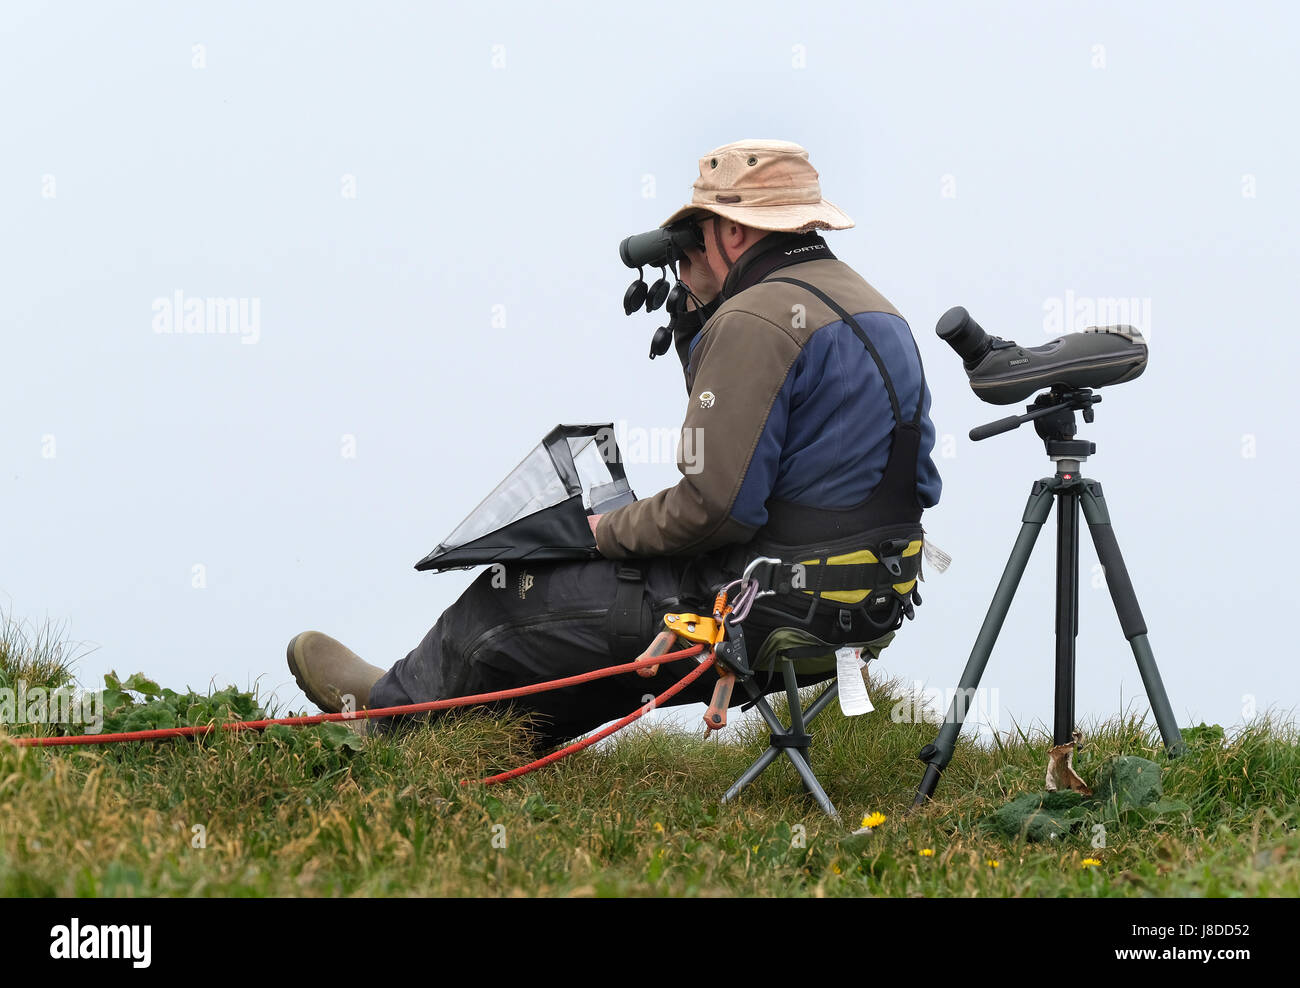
{"x":301,"y":813}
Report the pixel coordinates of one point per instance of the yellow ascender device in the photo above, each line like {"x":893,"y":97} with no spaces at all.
{"x":703,"y":631}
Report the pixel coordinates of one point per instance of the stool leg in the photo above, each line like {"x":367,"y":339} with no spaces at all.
{"x":798,"y":717}
{"x":766,"y":758}
{"x":799,"y":756}
{"x":792,"y":696}
{"x":751,"y":773}
{"x":810,"y":782}
{"x":823,"y":701}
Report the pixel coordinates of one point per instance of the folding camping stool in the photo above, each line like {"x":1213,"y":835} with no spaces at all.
{"x":794,"y":651}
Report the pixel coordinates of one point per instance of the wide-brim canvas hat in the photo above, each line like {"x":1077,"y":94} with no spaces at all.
{"x":769,"y":185}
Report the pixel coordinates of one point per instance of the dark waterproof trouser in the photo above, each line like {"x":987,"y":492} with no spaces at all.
{"x":551,"y":620}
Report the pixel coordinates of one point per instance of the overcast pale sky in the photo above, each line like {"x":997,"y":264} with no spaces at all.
{"x":418,"y":206}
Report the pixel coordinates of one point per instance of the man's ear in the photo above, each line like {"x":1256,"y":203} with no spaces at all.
{"x":734,"y":235}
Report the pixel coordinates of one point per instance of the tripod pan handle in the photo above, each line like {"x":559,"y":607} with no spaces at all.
{"x":995,"y":428}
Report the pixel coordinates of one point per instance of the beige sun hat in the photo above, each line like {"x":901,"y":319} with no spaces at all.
{"x":769,"y":185}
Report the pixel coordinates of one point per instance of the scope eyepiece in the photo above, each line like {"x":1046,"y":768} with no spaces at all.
{"x":964,"y":334}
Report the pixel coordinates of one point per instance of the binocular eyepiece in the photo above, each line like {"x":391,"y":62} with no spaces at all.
{"x":661,"y":247}
{"x":1002,"y":372}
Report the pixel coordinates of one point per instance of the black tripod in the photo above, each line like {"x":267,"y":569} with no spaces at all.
{"x":1053,"y":417}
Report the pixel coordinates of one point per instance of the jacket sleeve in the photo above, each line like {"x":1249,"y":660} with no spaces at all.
{"x":685,"y":327}
{"x":729,"y":450}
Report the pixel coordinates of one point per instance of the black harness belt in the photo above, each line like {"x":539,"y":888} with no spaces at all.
{"x":892,"y":568}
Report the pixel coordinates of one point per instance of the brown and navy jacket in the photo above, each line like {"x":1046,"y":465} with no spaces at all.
{"x":785,"y":403}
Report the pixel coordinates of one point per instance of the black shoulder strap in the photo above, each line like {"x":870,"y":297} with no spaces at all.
{"x":840,"y":311}
{"x":866,"y":341}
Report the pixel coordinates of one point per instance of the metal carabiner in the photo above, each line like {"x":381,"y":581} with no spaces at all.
{"x":748,"y":575}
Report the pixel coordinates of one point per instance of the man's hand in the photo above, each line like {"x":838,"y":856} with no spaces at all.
{"x":593,"y":521}
{"x":694,"y":271}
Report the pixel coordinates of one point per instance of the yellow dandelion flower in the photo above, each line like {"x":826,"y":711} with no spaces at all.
{"x":1089,"y":863}
{"x":874,"y":820}
{"x":926,"y":852}
{"x":659,"y":828}
{"x":836,"y":868}
{"x":993,"y":863}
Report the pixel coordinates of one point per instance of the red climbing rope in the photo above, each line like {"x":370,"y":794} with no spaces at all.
{"x":199,"y":730}
{"x":604,"y":732}
{"x":720,"y":610}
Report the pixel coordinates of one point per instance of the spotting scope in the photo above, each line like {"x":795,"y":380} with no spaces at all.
{"x":1003,"y":372}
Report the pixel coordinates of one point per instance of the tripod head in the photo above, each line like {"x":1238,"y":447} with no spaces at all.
{"x":1053,"y":416}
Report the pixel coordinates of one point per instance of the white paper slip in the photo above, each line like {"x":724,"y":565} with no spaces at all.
{"x":935,"y":556}
{"x":853,"y":688}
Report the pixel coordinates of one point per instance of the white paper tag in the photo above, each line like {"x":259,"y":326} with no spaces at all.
{"x":935,"y":556}
{"x":853,"y":688}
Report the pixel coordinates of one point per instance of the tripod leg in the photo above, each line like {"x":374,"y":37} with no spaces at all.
{"x":1130,"y":614}
{"x":1067,"y":612}
{"x":937,"y":755}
